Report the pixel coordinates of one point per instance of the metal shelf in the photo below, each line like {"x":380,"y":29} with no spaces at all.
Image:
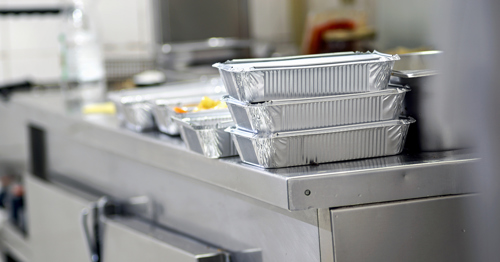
{"x":385,"y":179}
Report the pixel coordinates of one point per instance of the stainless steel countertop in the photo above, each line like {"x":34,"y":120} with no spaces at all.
{"x":330,"y":185}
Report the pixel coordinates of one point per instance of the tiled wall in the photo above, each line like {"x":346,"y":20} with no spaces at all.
{"x":29,"y":43}
{"x":29,"y":46}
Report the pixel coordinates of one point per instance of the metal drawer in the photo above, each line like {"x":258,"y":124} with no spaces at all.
{"x":127,"y":239}
{"x":431,"y":230}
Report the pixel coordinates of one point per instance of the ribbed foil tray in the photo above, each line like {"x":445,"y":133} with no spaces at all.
{"x":259,"y":80}
{"x":206,"y":135}
{"x":307,"y":113}
{"x":137,"y":116}
{"x":163,"y":111}
{"x":321,"y":145}
{"x":134,"y":109}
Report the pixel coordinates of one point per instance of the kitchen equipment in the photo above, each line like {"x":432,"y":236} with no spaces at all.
{"x":206,"y":135}
{"x":431,"y":105}
{"x":317,"y":112}
{"x":314,"y":146}
{"x":258,"y":80}
{"x":197,"y":56}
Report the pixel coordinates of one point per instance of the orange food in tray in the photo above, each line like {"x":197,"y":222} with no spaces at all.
{"x":205,"y":104}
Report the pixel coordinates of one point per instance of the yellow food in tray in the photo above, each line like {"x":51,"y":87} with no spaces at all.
{"x":205,"y":104}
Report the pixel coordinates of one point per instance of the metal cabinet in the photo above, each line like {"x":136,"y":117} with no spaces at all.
{"x":433,"y":229}
{"x":57,"y":234}
{"x":54,"y":222}
{"x":130,"y":240}
{"x":331,"y":212}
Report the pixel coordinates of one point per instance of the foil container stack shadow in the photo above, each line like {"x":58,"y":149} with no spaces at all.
{"x":315,"y":146}
{"x":206,"y":135}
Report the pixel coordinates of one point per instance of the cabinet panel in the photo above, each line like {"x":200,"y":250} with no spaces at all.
{"x":434,"y":229}
{"x":54,"y":222}
{"x":129,"y":240}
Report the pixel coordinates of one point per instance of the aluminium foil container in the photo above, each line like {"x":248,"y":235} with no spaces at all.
{"x":322,"y":145}
{"x":317,"y":112}
{"x":137,"y":117}
{"x":134,"y":109}
{"x":259,"y":80}
{"x":206,"y":135}
{"x":163,"y":111}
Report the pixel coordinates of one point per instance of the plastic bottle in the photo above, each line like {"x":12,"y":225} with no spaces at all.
{"x":83,"y":78}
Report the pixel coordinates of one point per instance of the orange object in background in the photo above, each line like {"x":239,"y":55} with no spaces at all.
{"x":179,"y":110}
{"x":206,"y":104}
{"x":316,"y":43}
{"x":348,"y":25}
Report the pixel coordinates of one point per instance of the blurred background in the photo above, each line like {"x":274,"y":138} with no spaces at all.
{"x":132,"y":32}
{"x":142,"y":43}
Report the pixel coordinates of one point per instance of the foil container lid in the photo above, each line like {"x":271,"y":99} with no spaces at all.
{"x":395,"y":89}
{"x":245,"y":133}
{"x":245,"y":65}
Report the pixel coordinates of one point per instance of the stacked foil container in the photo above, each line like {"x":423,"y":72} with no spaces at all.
{"x":149,"y":109}
{"x":314,"y":109}
{"x":138,"y":109}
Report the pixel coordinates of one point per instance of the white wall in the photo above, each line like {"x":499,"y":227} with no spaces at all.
{"x":29,"y":43}
{"x":406,"y":23}
{"x":270,"y":21}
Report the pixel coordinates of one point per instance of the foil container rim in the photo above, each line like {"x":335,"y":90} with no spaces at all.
{"x":229,"y":66}
{"x":160,"y":102}
{"x":199,"y":114}
{"x":284,"y":58}
{"x":315,"y":131}
{"x":188,"y":122}
{"x":414,"y":73}
{"x":389,"y":91}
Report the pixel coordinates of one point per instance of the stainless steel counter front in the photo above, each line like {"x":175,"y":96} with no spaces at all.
{"x":297,"y":188}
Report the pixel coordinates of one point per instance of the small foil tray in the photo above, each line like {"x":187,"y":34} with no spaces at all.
{"x":318,"y":112}
{"x":136,"y":116}
{"x":322,"y":145}
{"x":163,"y":111}
{"x":259,"y":80}
{"x":134,"y":109}
{"x":206,"y":135}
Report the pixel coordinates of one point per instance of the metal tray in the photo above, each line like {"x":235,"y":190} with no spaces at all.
{"x":206,"y":135}
{"x":136,"y":116}
{"x":430,"y":103}
{"x":259,"y":80}
{"x":133,"y":107}
{"x":163,"y":111}
{"x":321,"y":145}
{"x":307,"y":113}
{"x":417,"y":65}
